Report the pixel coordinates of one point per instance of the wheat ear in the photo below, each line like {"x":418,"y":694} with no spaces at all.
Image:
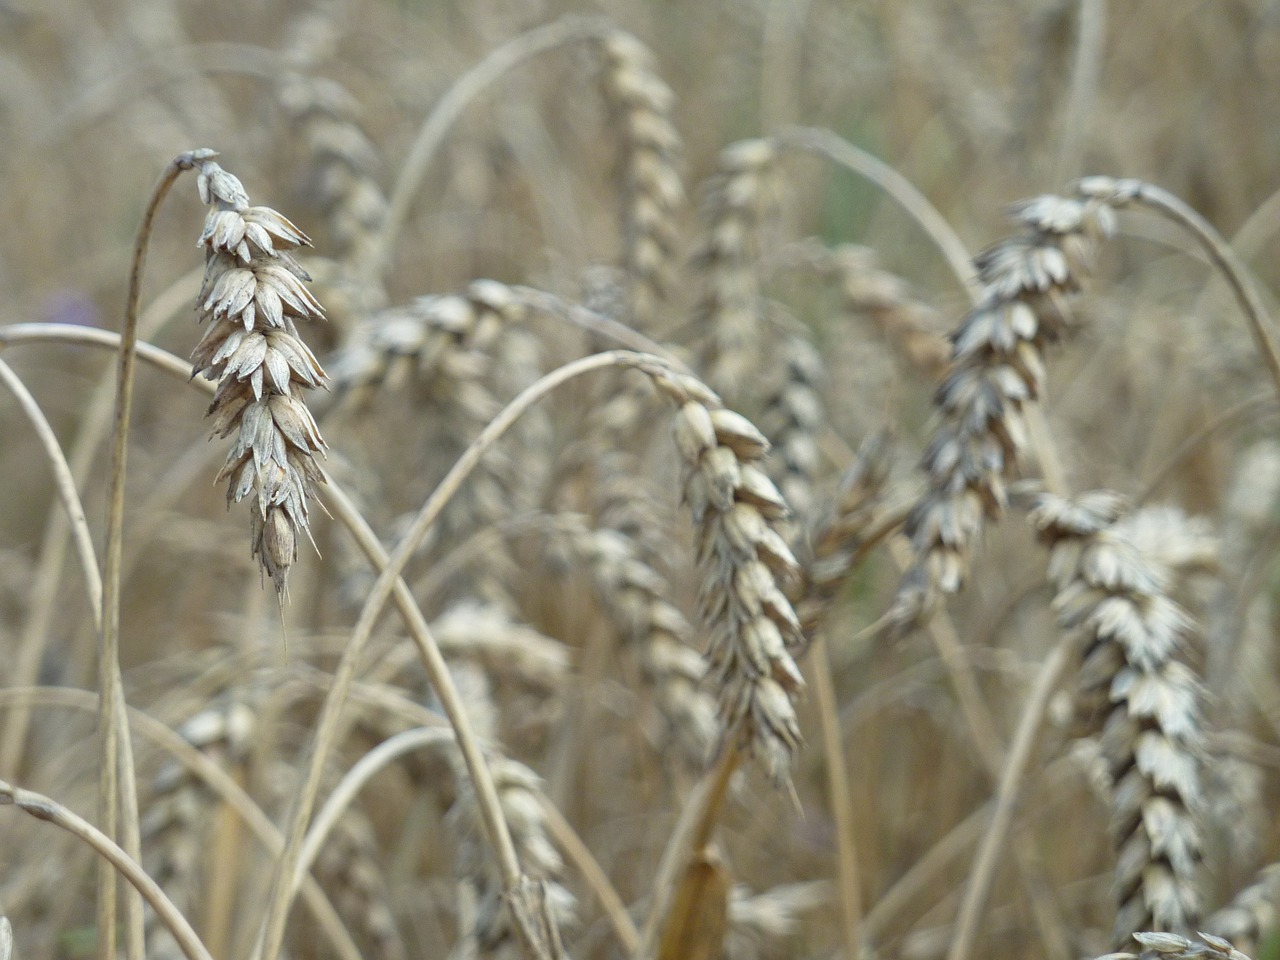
{"x":653,"y":191}
{"x":997,"y":373}
{"x":252,"y":298}
{"x":1151,"y":731}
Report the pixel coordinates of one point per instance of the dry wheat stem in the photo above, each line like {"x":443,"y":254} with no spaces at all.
{"x":116,"y":776}
{"x":1082,"y":90}
{"x":64,"y":486}
{"x":446,"y":112}
{"x":838,"y":792}
{"x":92,"y":426}
{"x":42,"y":808}
{"x":908,"y":196}
{"x":1119,"y":193}
{"x":1012,"y":777}
{"x":213,"y":776}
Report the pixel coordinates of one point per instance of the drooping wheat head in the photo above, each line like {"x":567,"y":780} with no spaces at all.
{"x":1146,"y":704}
{"x":252,"y":298}
{"x":997,"y":370}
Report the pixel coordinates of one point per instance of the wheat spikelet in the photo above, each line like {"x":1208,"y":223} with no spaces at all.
{"x":997,"y":370}
{"x":652,"y":191}
{"x":745,"y":565}
{"x":1251,"y":914}
{"x":252,"y":297}
{"x":441,"y":343}
{"x":6,"y":939}
{"x":1171,"y":946}
{"x":1151,"y":732}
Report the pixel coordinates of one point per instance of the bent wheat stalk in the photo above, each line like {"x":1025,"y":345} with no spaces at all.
{"x":117,"y":786}
{"x":42,"y":808}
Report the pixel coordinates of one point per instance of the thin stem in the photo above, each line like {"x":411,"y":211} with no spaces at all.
{"x":935,"y":225}
{"x":1086,"y":66}
{"x":1227,"y":262}
{"x":91,"y":428}
{"x":446,"y":112}
{"x":838,"y":793}
{"x":1011,"y":779}
{"x":114,"y":790}
{"x":42,"y":808}
{"x":65,"y":486}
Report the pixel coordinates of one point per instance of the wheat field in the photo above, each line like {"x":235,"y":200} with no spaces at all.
{"x":736,"y":478}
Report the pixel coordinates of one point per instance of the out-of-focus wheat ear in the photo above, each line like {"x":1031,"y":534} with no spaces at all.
{"x":792,"y":417}
{"x":634,"y":595}
{"x":350,"y":866}
{"x":252,"y":297}
{"x":441,"y":344}
{"x":488,"y":650}
{"x":728,"y":327}
{"x":745,"y":567}
{"x":997,"y":370}
{"x":457,"y":353}
{"x":884,"y":298}
{"x":177,"y":825}
{"x":758,"y":921}
{"x":841,"y":531}
{"x":1147,"y":702}
{"x":341,"y":179}
{"x":652,"y":188}
{"x":1251,"y":914}
{"x":518,"y":791}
